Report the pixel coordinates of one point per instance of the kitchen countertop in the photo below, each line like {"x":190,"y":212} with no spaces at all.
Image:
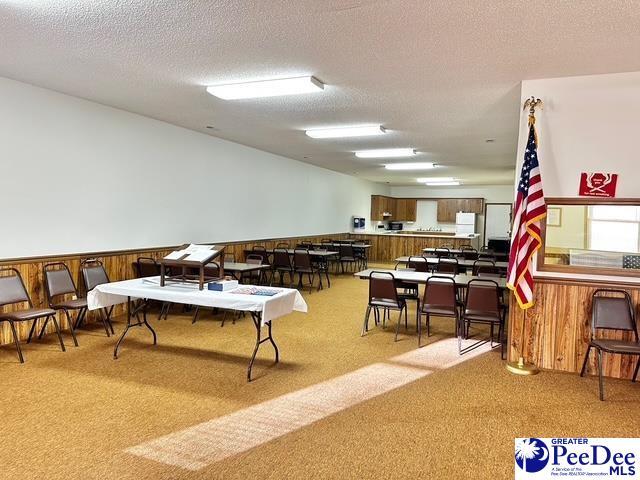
{"x":421,"y":235}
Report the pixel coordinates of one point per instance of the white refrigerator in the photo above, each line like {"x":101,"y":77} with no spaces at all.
{"x":465,"y":223}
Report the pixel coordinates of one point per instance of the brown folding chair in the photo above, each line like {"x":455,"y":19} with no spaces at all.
{"x":254,"y":275}
{"x":439,"y":299}
{"x":447,"y":265}
{"x":281,"y":265}
{"x":59,"y":287}
{"x":469,"y":253}
{"x":347,"y":255}
{"x":383,"y":294}
{"x":612,"y":313}
{"x":483,"y":305}
{"x":484,"y":266}
{"x":13,"y":291}
{"x":94,"y":274}
{"x":302,"y":265}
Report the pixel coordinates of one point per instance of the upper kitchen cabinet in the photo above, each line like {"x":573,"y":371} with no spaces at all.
{"x":448,"y":207}
{"x":382,"y":208}
{"x":405,"y":209}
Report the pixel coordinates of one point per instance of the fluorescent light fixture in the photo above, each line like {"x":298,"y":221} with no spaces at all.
{"x":340,"y":132}
{"x":410,"y":166}
{"x":442,"y":184}
{"x":435,"y":179}
{"x":386,"y":153}
{"x":266,"y":88}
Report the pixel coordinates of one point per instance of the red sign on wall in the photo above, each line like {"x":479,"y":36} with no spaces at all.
{"x":598,"y":184}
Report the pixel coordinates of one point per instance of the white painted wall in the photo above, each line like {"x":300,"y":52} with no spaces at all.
{"x":588,"y":123}
{"x":78,"y":176}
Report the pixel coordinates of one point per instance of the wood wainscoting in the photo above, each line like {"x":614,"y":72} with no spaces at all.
{"x":557,"y":328}
{"x":386,"y":248}
{"x":119,"y":266}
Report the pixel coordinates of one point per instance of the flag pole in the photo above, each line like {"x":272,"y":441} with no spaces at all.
{"x":520,"y":367}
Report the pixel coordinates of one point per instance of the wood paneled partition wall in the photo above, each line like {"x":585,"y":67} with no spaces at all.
{"x":386,"y":248}
{"x":119,"y":266}
{"x":557,"y":327}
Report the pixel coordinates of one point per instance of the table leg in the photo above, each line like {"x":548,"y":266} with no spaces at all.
{"x":130,"y":314}
{"x":257,"y":319}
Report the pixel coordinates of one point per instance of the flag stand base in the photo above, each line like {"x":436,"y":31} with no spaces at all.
{"x":522,"y":368}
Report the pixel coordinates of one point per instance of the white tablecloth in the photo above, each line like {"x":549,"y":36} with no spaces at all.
{"x":284,"y":302}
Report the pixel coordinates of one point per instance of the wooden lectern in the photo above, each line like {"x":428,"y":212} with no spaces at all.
{"x":193,"y":264}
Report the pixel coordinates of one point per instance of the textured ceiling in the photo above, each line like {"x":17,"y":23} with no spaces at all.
{"x":441,"y":76}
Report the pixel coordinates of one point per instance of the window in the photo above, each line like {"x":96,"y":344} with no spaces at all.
{"x":614,"y":228}
{"x":582,"y":235}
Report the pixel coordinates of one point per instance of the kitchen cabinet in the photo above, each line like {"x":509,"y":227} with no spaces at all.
{"x":380,"y":205}
{"x":405,"y":210}
{"x":448,"y":207}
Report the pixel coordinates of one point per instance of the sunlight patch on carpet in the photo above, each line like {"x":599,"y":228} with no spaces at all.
{"x":209,"y":442}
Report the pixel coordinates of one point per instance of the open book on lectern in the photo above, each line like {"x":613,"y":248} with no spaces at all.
{"x":194,"y":253}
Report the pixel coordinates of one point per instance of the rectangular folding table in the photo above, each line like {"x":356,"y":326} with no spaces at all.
{"x":263,"y":309}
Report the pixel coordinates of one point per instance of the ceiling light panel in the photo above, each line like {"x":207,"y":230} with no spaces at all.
{"x":386,"y":153}
{"x":267,"y":88}
{"x":342,"y":132}
{"x":410,"y":166}
{"x":435,"y":179}
{"x":442,"y":184}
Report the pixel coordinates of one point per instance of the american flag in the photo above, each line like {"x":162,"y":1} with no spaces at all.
{"x":525,"y":238}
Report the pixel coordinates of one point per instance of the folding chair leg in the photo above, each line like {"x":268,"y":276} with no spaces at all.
{"x":16,"y":341}
{"x":365,"y":325}
{"x":419,"y":325}
{"x":195,"y":315}
{"x":586,"y":359}
{"x":635,"y":373}
{"x":55,"y":324}
{"x":398,"y":325}
{"x":44,"y":326}
{"x":600,"y":379}
{"x":104,"y":322}
{"x":32,"y":330}
{"x":71,"y":327}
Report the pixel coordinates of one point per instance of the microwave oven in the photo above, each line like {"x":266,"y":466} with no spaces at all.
{"x":395,"y":226}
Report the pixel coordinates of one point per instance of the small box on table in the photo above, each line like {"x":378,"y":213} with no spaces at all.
{"x":223,"y":285}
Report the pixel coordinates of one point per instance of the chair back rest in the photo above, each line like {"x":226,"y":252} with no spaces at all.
{"x":612,"y":313}
{"x":281,"y":258}
{"x":93,"y":273}
{"x":254,"y":259}
{"x":284,"y":245}
{"x":382,"y":286}
{"x":12,"y":289}
{"x":261,"y":250}
{"x":485,"y":266}
{"x":301,"y":258}
{"x":440,"y":291}
{"x":441,"y":252}
{"x":346,"y":250}
{"x":447,"y":265}
{"x":469,"y":253}
{"x":305,"y":246}
{"x":487,"y":257}
{"x":147,"y":267}
{"x":58,"y":280}
{"x":483,"y":296}
{"x":419,"y":264}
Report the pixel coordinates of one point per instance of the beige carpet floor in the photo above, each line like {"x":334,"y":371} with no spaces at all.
{"x":73,"y":415}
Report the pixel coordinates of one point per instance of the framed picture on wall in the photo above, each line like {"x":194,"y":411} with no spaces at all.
{"x":554,"y":217}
